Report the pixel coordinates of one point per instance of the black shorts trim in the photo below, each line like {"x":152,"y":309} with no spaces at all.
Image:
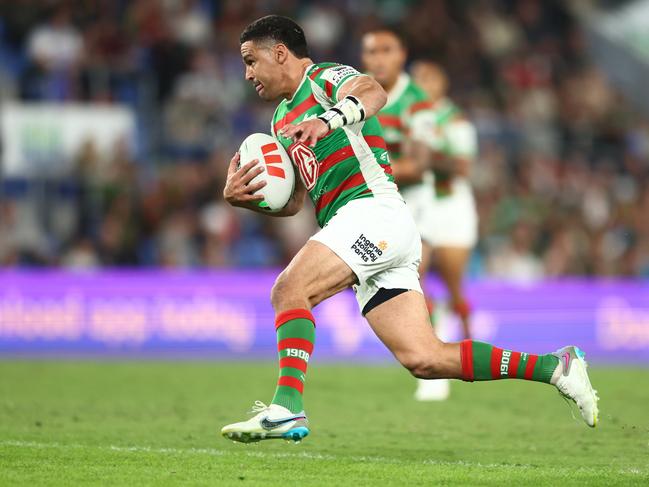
{"x":381,"y":296}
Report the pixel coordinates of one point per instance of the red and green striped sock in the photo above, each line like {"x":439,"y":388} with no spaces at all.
{"x":482,"y":361}
{"x":295,"y":339}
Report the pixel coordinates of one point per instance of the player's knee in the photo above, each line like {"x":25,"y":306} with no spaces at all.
{"x":422,"y":365}
{"x":285,"y":293}
{"x":279,"y":291}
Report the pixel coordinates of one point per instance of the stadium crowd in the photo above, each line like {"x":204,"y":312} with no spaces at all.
{"x":562,"y":181}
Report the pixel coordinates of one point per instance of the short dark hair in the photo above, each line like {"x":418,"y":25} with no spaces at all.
{"x":280,"y":29}
{"x":389,"y":29}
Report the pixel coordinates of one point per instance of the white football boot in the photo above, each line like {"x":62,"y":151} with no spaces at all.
{"x":270,"y":423}
{"x":572,"y":381}
{"x":433,"y":390}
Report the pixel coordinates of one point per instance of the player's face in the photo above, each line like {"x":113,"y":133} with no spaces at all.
{"x":262,"y":69}
{"x":430,"y":79}
{"x":383,"y":57}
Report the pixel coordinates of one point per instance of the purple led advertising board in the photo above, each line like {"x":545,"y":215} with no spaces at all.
{"x":227,"y":315}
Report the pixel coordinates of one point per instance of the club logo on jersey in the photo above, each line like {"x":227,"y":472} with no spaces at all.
{"x":306,"y":162}
{"x":504,"y":362}
{"x":270,"y":159}
{"x":367,"y":250}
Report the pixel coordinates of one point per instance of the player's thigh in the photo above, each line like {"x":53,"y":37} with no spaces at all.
{"x":403,"y":325}
{"x":314,"y":274}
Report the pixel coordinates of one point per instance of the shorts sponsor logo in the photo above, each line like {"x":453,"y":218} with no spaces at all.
{"x":367,"y":250}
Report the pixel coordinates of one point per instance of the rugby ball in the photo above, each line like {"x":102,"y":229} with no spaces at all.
{"x":278,"y":170}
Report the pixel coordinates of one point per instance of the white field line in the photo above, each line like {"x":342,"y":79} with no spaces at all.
{"x":298,"y":455}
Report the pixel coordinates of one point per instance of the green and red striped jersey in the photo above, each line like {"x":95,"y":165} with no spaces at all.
{"x":349,"y":163}
{"x":393,"y":115}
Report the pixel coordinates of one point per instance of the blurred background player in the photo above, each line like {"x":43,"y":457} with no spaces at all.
{"x":446,"y":143}
{"x":384,"y":58}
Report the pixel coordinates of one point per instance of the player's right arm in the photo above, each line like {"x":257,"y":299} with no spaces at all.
{"x":239,"y":191}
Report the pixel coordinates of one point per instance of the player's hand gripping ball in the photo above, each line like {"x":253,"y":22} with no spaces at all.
{"x":260,"y":175}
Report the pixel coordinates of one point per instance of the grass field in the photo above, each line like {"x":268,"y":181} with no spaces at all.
{"x":157,"y":423}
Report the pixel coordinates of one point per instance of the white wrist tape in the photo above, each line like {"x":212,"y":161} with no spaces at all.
{"x":347,"y":111}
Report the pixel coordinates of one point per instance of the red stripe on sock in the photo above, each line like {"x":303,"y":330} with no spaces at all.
{"x":529,"y":367}
{"x":514,"y":360}
{"x":287,"y":380}
{"x":496,"y":357}
{"x":466,"y":358}
{"x":293,"y":314}
{"x":296,"y":363}
{"x":299,"y":343}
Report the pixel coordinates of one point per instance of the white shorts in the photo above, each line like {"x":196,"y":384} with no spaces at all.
{"x":452,"y":221}
{"x":377,"y":238}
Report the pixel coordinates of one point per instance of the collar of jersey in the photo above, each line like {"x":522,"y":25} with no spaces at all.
{"x":306,"y":72}
{"x":398,"y":88}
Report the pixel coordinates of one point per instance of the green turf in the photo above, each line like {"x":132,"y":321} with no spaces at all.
{"x":152,"y":423}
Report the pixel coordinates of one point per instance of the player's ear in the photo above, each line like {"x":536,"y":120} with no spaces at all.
{"x":281,"y":53}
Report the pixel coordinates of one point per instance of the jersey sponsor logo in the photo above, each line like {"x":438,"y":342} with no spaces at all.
{"x":366,"y":250}
{"x":270,"y":159}
{"x":504,"y":362}
{"x":306,"y":162}
{"x":296,"y":352}
{"x":339,"y":73}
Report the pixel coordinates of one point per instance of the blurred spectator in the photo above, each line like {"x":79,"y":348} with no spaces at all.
{"x":56,"y":44}
{"x":55,"y":51}
{"x":516,"y":260}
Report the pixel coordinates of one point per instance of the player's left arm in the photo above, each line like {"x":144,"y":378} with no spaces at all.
{"x":357,"y":97}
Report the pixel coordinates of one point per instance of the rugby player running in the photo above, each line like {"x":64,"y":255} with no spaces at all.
{"x":368,"y":240}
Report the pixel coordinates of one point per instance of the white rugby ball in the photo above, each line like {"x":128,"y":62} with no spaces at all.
{"x":278,"y":170}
